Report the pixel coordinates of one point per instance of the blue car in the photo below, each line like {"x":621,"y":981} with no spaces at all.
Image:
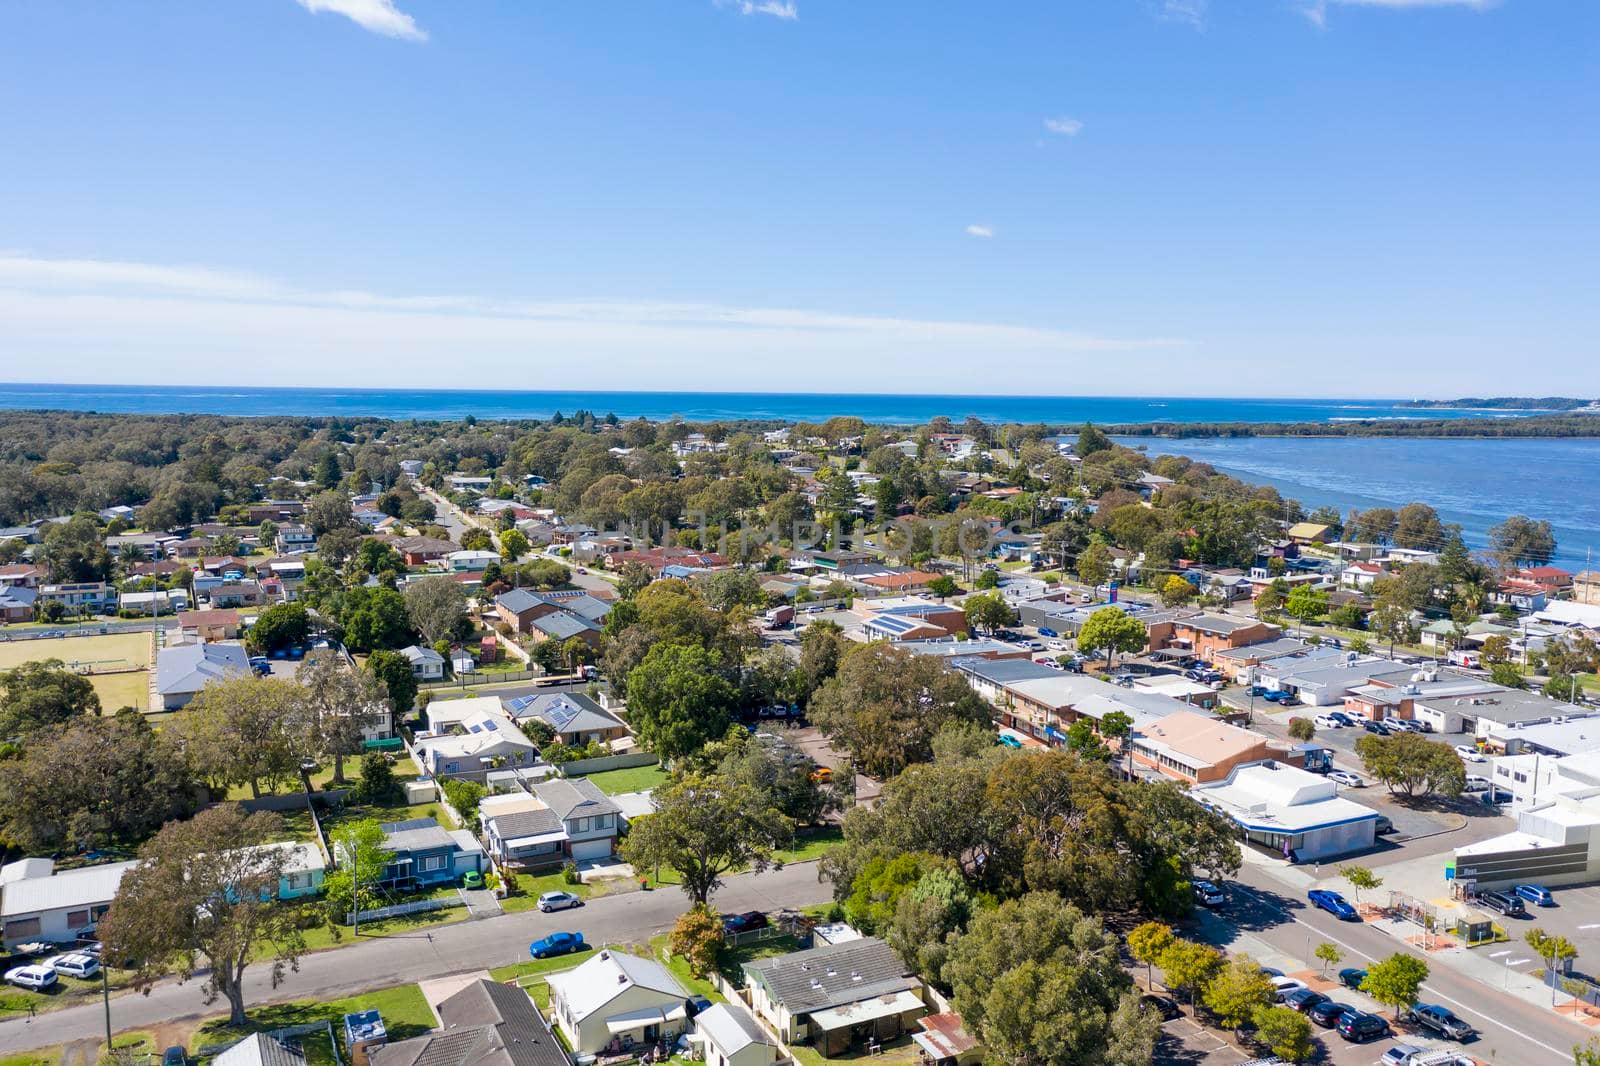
{"x":1044,"y":632}
{"x":1010,"y":741}
{"x":1334,"y":904}
{"x":1535,"y":894}
{"x":556,"y":944}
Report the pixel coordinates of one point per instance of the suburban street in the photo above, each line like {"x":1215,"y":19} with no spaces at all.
{"x":630,"y":918}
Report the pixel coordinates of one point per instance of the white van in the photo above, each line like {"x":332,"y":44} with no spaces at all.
{"x":76,"y":964}
{"x":1476,"y":784}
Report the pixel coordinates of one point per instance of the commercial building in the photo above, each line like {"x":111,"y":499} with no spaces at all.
{"x":1195,"y":748}
{"x":1290,"y":812}
{"x":37,"y":903}
{"x":1556,"y":842}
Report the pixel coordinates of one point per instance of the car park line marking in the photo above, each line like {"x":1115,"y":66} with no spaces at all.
{"x":1564,"y":1055}
{"x":1497,"y":954}
{"x":1591,"y":925}
{"x":1518,"y":962}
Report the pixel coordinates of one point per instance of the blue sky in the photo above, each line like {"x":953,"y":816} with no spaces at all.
{"x":1345,"y":197}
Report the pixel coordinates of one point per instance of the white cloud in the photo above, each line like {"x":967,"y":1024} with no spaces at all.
{"x":1192,"y":12}
{"x":976,"y":230}
{"x":1067,"y":127}
{"x":1317,"y":10}
{"x":778,"y":9}
{"x":99,"y":321}
{"x":378,"y":16}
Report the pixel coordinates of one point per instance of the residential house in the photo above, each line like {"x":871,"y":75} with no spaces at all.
{"x":1586,"y":587}
{"x":1552,"y":579}
{"x":465,"y":561}
{"x":1205,"y":635}
{"x":613,"y":1002}
{"x":182,"y":671}
{"x":519,"y":607}
{"x":447,"y":715}
{"x":944,"y":1041}
{"x":1195,"y":748}
{"x":575,"y":719}
{"x":558,"y":821}
{"x":17,"y":603}
{"x":1308,"y":533}
{"x":38,"y":903}
{"x":469,"y":482}
{"x":1290,"y":812}
{"x":729,"y":1036}
{"x":95,"y":597}
{"x":277,"y":511}
{"x":21,"y":575}
{"x":486,"y":1023}
{"x":411,"y":467}
{"x":303,"y":873}
{"x":246,"y":593}
{"x":899,"y":581}
{"x":420,"y":551}
{"x":154,"y":604}
{"x":835,"y":995}
{"x":425,"y":854}
{"x":260,"y":1049}
{"x":209,"y":625}
{"x":1360,"y":575}
{"x":295,"y":539}
{"x":658,"y":559}
{"x":146,"y":545}
{"x":486,"y":742}
{"x":426,"y":664}
{"x":562,"y":626}
{"x":588,"y":816}
{"x":910,"y":618}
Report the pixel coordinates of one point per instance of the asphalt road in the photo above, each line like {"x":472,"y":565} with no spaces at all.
{"x":1513,"y":1031}
{"x":626,"y":919}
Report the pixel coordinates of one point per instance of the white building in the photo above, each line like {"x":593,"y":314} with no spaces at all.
{"x":615,"y":1001}
{"x":36,"y":903}
{"x":729,"y":1036}
{"x":1292,"y":812}
{"x":1557,"y":839}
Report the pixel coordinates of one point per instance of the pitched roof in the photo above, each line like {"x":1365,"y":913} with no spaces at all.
{"x":832,"y":974}
{"x":577,"y":798}
{"x":560,"y":625}
{"x":484,"y":1024}
{"x":259,"y":1049}
{"x":70,"y":888}
{"x":602,"y":977}
{"x":518,"y":600}
{"x":519,"y":824}
{"x":566,"y":712}
{"x":188,"y":667}
{"x":730,"y":1028}
{"x":415,"y":834}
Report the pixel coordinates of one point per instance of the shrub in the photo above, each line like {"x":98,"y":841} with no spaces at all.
{"x":569,"y":872}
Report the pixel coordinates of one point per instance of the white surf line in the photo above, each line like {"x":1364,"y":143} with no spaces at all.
{"x":1566,"y":1056}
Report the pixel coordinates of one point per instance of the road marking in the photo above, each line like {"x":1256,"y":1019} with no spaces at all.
{"x":1497,"y":954}
{"x":1518,"y":962}
{"x":1564,"y":1055}
{"x":1591,"y":925}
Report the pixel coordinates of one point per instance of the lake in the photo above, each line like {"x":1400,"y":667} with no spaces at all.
{"x":1476,"y":483}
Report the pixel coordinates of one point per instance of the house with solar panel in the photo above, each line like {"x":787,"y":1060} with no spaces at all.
{"x":485,"y":741}
{"x":573,"y":717}
{"x":912,"y":618}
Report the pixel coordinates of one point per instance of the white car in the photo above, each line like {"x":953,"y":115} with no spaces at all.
{"x":1469,"y":753}
{"x":558,"y":901}
{"x":1346,"y":778}
{"x":1323,"y":721}
{"x":1056,"y":645}
{"x":38,"y":978}
{"x":1282,"y":986}
{"x":78,"y":964}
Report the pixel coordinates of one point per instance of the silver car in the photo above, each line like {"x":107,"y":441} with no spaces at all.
{"x":558,"y":901}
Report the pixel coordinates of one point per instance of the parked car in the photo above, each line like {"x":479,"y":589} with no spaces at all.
{"x":472,"y":879}
{"x":1259,"y":690}
{"x":1347,"y":779}
{"x":77,"y":964}
{"x":1334,"y":904}
{"x":1283,"y":986}
{"x":1279,"y":696}
{"x":1507,"y":904}
{"x":1469,"y":753}
{"x":556,"y":944}
{"x":1009,"y":741}
{"x":261,"y":665}
{"x":1351,"y":977}
{"x":822,"y":775}
{"x":32,"y":976}
{"x":1538,"y":895}
{"x":1442,"y":1021}
{"x":1303,"y":999}
{"x":1475,"y":783}
{"x":175,"y":1056}
{"x":1342,"y":718}
{"x":744,"y":923}
{"x":1327,"y":721}
{"x":558,"y":901}
{"x":1327,"y":1013}
{"x":1375,"y":727}
{"x":1035,"y":645}
{"x":1046,"y":631}
{"x":1400,"y":1055}
{"x":1358,"y":1028}
{"x":1383,"y":824}
{"x":1208,"y":894}
{"x":1162,"y":1006}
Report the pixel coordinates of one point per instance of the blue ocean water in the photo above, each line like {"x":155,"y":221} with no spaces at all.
{"x":1474,"y":482}
{"x":696,"y":406}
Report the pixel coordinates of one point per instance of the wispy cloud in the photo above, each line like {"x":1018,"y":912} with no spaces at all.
{"x":1067,"y":127}
{"x":1190,"y":12}
{"x":99,"y":318}
{"x":1317,"y":10}
{"x":378,"y":16}
{"x":976,"y":230}
{"x":778,"y":9}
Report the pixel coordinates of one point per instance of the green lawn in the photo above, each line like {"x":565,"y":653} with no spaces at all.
{"x":631,"y":779}
{"x":405,"y":1014}
{"x":730,"y":962}
{"x":323,"y":937}
{"x":528,"y":973}
{"x":530,"y":887}
{"x":809,"y":844}
{"x":69,"y":992}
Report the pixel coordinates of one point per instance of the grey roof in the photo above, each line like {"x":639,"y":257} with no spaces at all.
{"x":566,"y":712}
{"x":259,"y":1049}
{"x":589,"y":607}
{"x":577,"y":798}
{"x":1216,"y":623}
{"x":1004,"y":671}
{"x":415,"y":834}
{"x":188,"y":667}
{"x":1266,"y":649}
{"x":832,"y":975}
{"x":484,"y":1024}
{"x":560,"y":625}
{"x":17,"y":596}
{"x":520,"y":824}
{"x":518,"y":600}
{"x":416,"y":653}
{"x":731,"y":1028}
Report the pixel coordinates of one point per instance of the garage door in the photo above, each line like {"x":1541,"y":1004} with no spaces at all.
{"x":592,"y":849}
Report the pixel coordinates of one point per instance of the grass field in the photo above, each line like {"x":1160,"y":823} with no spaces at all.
{"x":113,"y":650}
{"x":631,"y":779}
{"x":405,"y":1013}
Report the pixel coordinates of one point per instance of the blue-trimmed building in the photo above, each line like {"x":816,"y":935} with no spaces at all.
{"x":1290,"y":812}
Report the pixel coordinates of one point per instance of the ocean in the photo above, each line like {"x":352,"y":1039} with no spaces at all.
{"x":1474,"y":482}
{"x":699,"y":406}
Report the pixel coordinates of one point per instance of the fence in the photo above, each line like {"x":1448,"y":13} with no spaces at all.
{"x":395,"y":911}
{"x":289,"y":1033}
{"x":602,"y":763}
{"x":293,"y":801}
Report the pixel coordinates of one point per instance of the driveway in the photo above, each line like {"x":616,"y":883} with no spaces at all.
{"x":810,"y":741}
